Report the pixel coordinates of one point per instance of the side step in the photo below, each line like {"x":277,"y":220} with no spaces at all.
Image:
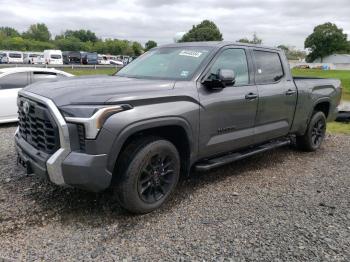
{"x":226,"y":159}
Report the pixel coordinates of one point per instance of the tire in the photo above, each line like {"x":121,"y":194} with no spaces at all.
{"x":315,"y":133}
{"x":147,"y":173}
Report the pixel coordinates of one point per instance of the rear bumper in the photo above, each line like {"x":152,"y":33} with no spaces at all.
{"x":65,"y":167}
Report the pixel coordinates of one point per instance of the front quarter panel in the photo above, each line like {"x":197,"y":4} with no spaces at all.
{"x":178,"y":106}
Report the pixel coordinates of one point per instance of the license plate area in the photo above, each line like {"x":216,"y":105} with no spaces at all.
{"x":25,"y":163}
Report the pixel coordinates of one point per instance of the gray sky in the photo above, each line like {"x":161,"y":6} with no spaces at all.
{"x":276,"y":22}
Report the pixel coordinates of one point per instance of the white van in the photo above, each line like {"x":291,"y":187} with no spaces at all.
{"x":53,"y":57}
{"x":12,"y":57}
{"x":33,"y":58}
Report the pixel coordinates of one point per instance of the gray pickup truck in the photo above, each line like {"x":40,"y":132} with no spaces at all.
{"x":177,"y":107}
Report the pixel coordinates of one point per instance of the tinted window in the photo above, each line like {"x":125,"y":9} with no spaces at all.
{"x":56,"y":56}
{"x":18,"y":80}
{"x":236,"y":60}
{"x":43,"y":76}
{"x":268,"y":66}
{"x":14,"y":55}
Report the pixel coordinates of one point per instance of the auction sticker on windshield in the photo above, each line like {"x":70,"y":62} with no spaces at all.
{"x":190,"y":53}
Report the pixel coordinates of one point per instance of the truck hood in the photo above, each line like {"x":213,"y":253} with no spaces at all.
{"x":98,"y":89}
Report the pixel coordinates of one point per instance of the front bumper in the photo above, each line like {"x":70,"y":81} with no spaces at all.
{"x":65,"y":167}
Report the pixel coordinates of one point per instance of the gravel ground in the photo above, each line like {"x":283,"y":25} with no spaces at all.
{"x":283,"y":205}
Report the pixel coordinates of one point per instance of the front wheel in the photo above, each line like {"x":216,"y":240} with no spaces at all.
{"x":147,"y":173}
{"x":315,"y":133}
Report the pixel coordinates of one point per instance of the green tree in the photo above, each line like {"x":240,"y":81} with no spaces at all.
{"x":8,"y":32}
{"x":205,"y":31}
{"x":283,"y":47}
{"x":137,"y":48}
{"x":69,"y":44}
{"x":256,"y":40}
{"x":325,"y":40}
{"x":292,"y":53}
{"x":38,"y":32}
{"x":83,"y":35}
{"x":150,"y":44}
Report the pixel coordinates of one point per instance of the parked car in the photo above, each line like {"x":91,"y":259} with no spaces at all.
{"x":53,"y":57}
{"x":71,"y":57}
{"x":33,"y":58}
{"x":116,"y":62}
{"x":102,"y":60}
{"x":14,"y":79}
{"x":12,"y":57}
{"x":1,"y":56}
{"x":177,"y":107}
{"x":344,"y":112}
{"x":88,"y":58}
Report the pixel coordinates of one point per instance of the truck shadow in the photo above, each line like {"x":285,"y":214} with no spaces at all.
{"x":73,"y":205}
{"x":41,"y":203}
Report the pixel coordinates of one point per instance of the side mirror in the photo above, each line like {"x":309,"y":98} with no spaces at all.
{"x":227,"y":77}
{"x":223,"y":78}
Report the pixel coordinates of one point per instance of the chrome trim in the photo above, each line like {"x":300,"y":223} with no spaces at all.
{"x":54,"y":163}
{"x":92,"y":123}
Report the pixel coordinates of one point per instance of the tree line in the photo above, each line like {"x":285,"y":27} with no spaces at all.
{"x":38,"y":38}
{"x":326,"y":39}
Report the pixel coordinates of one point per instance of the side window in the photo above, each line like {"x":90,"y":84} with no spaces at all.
{"x":236,"y":60}
{"x":268,"y":67}
{"x":16,"y":80}
{"x":43,"y":76}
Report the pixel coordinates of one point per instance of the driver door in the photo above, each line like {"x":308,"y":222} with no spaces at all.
{"x":227,"y":115}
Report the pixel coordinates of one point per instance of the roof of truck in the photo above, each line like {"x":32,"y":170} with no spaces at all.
{"x":218,"y":44}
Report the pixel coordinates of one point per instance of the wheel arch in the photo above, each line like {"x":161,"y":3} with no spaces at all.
{"x":175,"y":129}
{"x":322,"y":105}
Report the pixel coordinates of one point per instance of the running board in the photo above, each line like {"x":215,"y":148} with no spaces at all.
{"x":226,"y":159}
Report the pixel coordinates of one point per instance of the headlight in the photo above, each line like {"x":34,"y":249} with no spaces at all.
{"x":91,"y":117}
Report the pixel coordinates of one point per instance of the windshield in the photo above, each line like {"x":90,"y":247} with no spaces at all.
{"x":178,"y":63}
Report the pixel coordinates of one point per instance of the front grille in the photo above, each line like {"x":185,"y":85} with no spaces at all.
{"x":37,"y":126}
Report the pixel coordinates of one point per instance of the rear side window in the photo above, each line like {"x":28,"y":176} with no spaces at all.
{"x":46,"y":76}
{"x":14,"y":55}
{"x":56,"y":57}
{"x":236,"y":60}
{"x":43,"y":76}
{"x":268,"y":67}
{"x":17,"y":80}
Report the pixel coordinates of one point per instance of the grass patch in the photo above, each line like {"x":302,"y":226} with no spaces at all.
{"x":343,"y":75}
{"x":90,"y":71}
{"x":338,"y":128}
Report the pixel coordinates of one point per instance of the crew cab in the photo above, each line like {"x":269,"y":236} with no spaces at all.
{"x":176,"y":107}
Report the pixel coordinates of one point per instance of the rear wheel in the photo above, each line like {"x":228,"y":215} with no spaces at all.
{"x":147,"y":173}
{"x":315,"y":133}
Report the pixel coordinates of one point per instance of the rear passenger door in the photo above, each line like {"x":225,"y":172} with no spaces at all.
{"x":277,"y":96}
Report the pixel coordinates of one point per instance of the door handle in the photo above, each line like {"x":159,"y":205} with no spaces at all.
{"x":251,"y":96}
{"x":290,"y":92}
